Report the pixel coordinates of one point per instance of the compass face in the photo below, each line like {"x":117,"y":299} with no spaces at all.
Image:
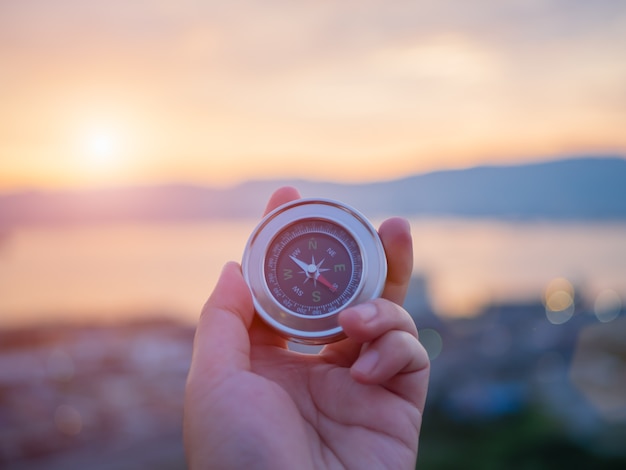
{"x":313,"y":267}
{"x":308,"y":260}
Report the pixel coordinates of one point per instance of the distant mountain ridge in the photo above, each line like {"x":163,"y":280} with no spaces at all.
{"x":590,"y":188}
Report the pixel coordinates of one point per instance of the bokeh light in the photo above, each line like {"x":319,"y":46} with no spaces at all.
{"x":598,"y":368}
{"x":432,"y":342}
{"x":559,"y":301}
{"x":607,"y":305}
{"x":68,"y":420}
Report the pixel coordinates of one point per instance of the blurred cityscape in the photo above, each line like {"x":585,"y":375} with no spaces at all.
{"x":105,"y":397}
{"x":530,"y":385}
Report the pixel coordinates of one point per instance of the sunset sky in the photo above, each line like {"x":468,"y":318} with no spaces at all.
{"x":217,"y":92}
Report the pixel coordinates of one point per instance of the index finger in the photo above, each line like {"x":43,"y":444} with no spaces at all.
{"x":281,"y":196}
{"x":395,"y":234}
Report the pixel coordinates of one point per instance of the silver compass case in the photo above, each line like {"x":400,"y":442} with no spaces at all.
{"x":302,"y":328}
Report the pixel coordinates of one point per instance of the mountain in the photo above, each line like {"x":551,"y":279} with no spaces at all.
{"x":592,"y":188}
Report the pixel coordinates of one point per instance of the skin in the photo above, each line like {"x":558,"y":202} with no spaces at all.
{"x":252,"y":403}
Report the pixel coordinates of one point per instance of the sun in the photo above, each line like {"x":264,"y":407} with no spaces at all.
{"x":104,"y":145}
{"x":102,"y":149}
{"x":102,"y":155}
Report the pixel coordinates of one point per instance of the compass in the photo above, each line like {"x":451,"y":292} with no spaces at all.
{"x":309,"y":259}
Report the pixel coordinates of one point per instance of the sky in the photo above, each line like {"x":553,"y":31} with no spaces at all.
{"x":217,"y":92}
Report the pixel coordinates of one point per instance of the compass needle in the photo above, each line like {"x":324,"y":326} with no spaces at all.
{"x":301,"y":264}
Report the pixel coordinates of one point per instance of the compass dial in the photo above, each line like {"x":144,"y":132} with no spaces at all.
{"x":308,"y":260}
{"x":313,"y":267}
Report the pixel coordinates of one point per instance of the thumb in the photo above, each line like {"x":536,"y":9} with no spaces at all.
{"x":222,"y":343}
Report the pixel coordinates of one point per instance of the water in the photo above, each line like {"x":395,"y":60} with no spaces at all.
{"x":110,"y":273}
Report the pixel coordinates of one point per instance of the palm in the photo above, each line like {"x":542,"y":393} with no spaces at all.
{"x":345,"y":423}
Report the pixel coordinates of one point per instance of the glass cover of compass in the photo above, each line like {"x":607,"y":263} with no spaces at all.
{"x":309,"y":259}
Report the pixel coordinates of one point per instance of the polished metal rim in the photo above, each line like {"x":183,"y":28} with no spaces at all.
{"x":302,"y":328}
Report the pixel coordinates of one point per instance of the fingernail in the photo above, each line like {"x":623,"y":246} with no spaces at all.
{"x":367,"y":362}
{"x":367,"y":311}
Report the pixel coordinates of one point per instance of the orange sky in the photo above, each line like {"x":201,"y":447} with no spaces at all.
{"x":117,"y":92}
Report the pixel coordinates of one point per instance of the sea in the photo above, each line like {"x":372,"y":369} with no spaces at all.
{"x":122,"y":272}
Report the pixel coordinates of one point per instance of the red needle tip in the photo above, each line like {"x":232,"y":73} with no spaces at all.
{"x":326,"y":283}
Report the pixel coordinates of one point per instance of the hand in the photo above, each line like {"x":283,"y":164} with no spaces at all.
{"x":252,"y":403}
